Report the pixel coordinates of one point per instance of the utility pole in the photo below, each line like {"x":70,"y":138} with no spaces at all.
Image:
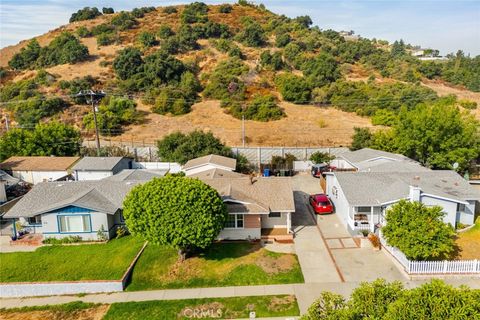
{"x":93,"y":97}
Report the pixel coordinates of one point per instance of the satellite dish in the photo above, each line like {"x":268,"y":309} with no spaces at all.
{"x":455,"y":165}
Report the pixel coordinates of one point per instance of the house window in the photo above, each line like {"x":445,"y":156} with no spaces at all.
{"x":274,"y":215}
{"x":234,"y":221}
{"x":77,"y":223}
{"x":35,"y":220}
{"x":364,"y":209}
{"x":461,"y":207}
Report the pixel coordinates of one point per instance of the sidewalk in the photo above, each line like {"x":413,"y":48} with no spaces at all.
{"x":306,"y":293}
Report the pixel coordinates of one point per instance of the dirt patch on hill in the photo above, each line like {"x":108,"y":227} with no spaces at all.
{"x":96,"y":313}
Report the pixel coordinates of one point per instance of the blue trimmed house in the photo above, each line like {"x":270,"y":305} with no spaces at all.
{"x":78,"y":208}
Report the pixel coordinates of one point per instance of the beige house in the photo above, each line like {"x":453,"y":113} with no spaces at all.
{"x":39,"y":169}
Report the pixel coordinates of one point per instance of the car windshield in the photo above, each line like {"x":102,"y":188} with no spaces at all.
{"x":323,"y":203}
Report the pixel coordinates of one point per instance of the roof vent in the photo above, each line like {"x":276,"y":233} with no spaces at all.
{"x":59,"y":185}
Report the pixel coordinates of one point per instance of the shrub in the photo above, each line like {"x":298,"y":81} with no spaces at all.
{"x":127,"y":63}
{"x":107,"y":10}
{"x":194,"y":12}
{"x":321,"y":157}
{"x":468,"y":104}
{"x":418,"y":231}
{"x":140,"y":12}
{"x":225,"y":8}
{"x":282,"y":40}
{"x":362,"y":138}
{"x":86,"y":13}
{"x":78,"y":84}
{"x":27,"y":57}
{"x":252,"y":34}
{"x":170,"y":10}
{"x":271,"y":61}
{"x":165,"y":32}
{"x":322,"y":70}
{"x":102,"y":28}
{"x":304,"y":21}
{"x":65,"y":48}
{"x":105,"y":39}
{"x":147,"y":39}
{"x":83,"y":32}
{"x":113,"y":114}
{"x":171,"y":100}
{"x":293,"y":88}
{"x":263,"y":108}
{"x":124,"y":21}
{"x":179,"y":147}
{"x":121,"y":232}
{"x":65,"y":240}
{"x":383,"y":117}
{"x":33,"y":110}
{"x":224,"y":81}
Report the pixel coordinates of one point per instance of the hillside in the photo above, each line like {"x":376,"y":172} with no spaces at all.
{"x":204,"y":67}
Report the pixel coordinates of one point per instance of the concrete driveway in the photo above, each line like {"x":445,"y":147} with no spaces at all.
{"x":315,"y":259}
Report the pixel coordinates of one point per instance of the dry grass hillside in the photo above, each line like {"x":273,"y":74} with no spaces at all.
{"x":303,"y":125}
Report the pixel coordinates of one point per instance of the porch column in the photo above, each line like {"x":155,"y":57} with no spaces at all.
{"x":289,"y":222}
{"x":371,"y":219}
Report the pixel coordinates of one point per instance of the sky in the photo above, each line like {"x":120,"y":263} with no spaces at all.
{"x":447,"y":25}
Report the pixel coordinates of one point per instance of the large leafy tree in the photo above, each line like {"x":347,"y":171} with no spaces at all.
{"x":181,"y":212}
{"x":52,"y":139}
{"x":179,"y":147}
{"x":437,"y":136}
{"x":418,"y":231}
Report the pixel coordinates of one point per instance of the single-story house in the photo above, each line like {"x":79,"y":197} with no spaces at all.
{"x":78,"y":208}
{"x":59,"y":209}
{"x":96,"y":168}
{"x":372,"y":160}
{"x":362,"y":198}
{"x":39,"y":169}
{"x":255,"y":204}
{"x":211,"y":161}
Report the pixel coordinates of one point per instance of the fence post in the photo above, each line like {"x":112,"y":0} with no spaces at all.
{"x":305,"y":154}
{"x":259,"y":158}
{"x":445,"y":265}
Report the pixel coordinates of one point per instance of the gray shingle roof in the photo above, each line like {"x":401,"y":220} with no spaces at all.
{"x":375,"y":188}
{"x":368,"y":154}
{"x":97,"y":163}
{"x":103,"y":196}
{"x":136,"y":175}
{"x":211,"y":159}
{"x":273,"y":194}
{"x":392,"y":166}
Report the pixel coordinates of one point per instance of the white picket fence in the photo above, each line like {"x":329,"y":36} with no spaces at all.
{"x":432,"y":267}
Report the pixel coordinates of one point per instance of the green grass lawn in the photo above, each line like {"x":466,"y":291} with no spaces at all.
{"x":217,"y":308}
{"x":223,"y":264}
{"x":67,"y":263}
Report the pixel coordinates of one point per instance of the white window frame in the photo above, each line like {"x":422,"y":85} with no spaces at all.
{"x":238,"y":217}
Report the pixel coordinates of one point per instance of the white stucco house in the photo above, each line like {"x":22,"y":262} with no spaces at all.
{"x":39,"y":169}
{"x":97,"y":168}
{"x":361,"y":199}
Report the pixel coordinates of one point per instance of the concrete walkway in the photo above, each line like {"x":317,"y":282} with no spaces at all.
{"x":306,"y":293}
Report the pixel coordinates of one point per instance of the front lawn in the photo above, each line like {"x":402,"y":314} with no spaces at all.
{"x":214,"y":308}
{"x":72,"y":310}
{"x":468,"y":243}
{"x":223,"y":264}
{"x":68,"y":263}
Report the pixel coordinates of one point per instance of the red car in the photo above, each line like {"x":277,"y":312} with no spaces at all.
{"x":321,"y":204}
